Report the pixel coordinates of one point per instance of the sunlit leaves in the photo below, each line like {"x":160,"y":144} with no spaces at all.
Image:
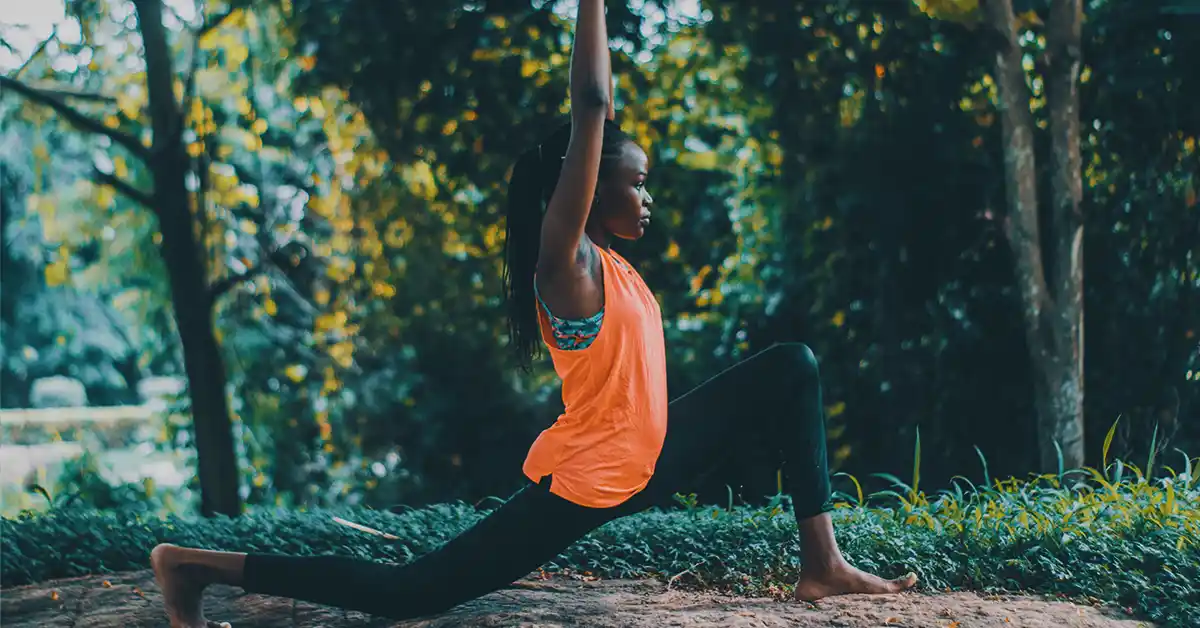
{"x":964,"y":11}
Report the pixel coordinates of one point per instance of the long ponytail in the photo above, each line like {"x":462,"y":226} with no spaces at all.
{"x":534,"y":177}
{"x":522,"y":242}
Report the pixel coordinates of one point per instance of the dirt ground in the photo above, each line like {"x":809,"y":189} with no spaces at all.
{"x":132,"y":599}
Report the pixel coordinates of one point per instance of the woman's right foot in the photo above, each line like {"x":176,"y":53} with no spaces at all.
{"x":843,"y":579}
{"x":182,"y":592}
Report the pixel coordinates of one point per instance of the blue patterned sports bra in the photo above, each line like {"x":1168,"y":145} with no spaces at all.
{"x":573,"y":334}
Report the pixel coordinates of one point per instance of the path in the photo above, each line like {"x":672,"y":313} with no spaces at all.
{"x":132,"y":600}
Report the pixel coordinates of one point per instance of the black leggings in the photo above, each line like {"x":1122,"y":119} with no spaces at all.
{"x":770,"y":404}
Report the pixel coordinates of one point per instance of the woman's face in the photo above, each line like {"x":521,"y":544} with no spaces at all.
{"x":622,"y":202}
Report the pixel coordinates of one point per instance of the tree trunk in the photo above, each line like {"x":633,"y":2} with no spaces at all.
{"x":1062,"y":93}
{"x":188,"y":276}
{"x":1053,"y":314}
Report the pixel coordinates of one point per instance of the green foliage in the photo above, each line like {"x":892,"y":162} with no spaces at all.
{"x":1125,"y":541}
{"x":81,"y":483}
{"x":823,"y":172}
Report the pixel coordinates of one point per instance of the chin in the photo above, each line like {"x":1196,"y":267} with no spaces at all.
{"x":635,"y":234}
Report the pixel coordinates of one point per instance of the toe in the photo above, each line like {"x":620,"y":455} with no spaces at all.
{"x":903,"y":583}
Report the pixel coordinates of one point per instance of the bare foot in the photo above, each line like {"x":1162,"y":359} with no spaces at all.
{"x":845,"y":579}
{"x":182,"y":594}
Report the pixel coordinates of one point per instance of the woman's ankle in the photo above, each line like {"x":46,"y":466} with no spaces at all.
{"x":205,"y":567}
{"x":819,"y":552}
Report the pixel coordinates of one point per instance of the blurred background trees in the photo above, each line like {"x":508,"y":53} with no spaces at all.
{"x":299,"y":203}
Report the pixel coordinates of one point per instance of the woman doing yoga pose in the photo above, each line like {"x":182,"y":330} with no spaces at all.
{"x":619,"y":447}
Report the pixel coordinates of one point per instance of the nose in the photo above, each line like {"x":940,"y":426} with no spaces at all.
{"x":647,"y":200}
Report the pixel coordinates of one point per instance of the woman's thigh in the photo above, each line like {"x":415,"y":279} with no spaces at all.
{"x":735,"y":413}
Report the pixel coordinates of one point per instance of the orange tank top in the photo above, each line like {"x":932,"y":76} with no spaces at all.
{"x":602,"y":449}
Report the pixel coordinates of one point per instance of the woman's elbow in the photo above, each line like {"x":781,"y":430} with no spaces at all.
{"x":591,"y":99}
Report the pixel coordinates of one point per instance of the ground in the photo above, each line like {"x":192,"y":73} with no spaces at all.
{"x":132,"y":599}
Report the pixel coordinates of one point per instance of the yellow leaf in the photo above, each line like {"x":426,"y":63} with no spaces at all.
{"x":270,"y":307}
{"x":237,"y":55}
{"x":706,"y":160}
{"x":342,"y":353}
{"x":698,"y":279}
{"x":129,"y":105}
{"x":296,"y":372}
{"x":529,"y":67}
{"x":57,"y":271}
{"x":673,"y":250}
{"x":259,"y":126}
{"x":450,"y":127}
{"x":119,"y":168}
{"x":839,"y":319}
{"x":384,"y":290}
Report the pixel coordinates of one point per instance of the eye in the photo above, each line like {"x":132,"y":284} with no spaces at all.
{"x":639,"y":185}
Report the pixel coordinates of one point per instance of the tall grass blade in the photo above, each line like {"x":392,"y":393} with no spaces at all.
{"x":1059,"y":454}
{"x":857,"y":486}
{"x":1187,"y":467}
{"x":1108,"y":443}
{"x":1153,"y":450}
{"x":916,"y":466}
{"x":987,"y":480}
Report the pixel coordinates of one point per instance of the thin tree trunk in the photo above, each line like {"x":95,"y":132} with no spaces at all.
{"x":188,"y":276}
{"x":1052,"y":332}
{"x":1062,"y":93}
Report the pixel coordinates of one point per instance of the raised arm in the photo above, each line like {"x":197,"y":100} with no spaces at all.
{"x":591,"y":98}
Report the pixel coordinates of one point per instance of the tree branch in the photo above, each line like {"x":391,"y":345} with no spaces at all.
{"x":209,"y":25}
{"x":74,"y":94}
{"x":41,"y":48}
{"x":125,"y":188}
{"x":222,"y":286}
{"x":75,"y":117}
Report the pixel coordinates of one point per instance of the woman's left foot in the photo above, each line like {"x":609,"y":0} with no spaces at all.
{"x":844,"y":579}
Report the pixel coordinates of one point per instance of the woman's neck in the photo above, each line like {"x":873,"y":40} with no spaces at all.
{"x":599,"y":236}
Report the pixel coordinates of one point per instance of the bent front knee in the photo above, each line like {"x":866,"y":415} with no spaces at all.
{"x":794,"y":358}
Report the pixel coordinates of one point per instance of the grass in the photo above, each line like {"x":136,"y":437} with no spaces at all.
{"x":1113,"y":535}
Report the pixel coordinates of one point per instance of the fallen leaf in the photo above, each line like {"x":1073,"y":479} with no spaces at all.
{"x":892,"y":620}
{"x":953,"y":624}
{"x":106,"y":584}
{"x":54,"y":595}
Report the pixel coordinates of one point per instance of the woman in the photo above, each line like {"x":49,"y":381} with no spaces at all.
{"x":610,"y":454}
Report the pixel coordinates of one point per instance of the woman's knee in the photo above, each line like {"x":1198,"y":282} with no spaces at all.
{"x":794,"y":359}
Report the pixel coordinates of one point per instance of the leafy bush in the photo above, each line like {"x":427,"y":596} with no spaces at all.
{"x":1113,"y":536}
